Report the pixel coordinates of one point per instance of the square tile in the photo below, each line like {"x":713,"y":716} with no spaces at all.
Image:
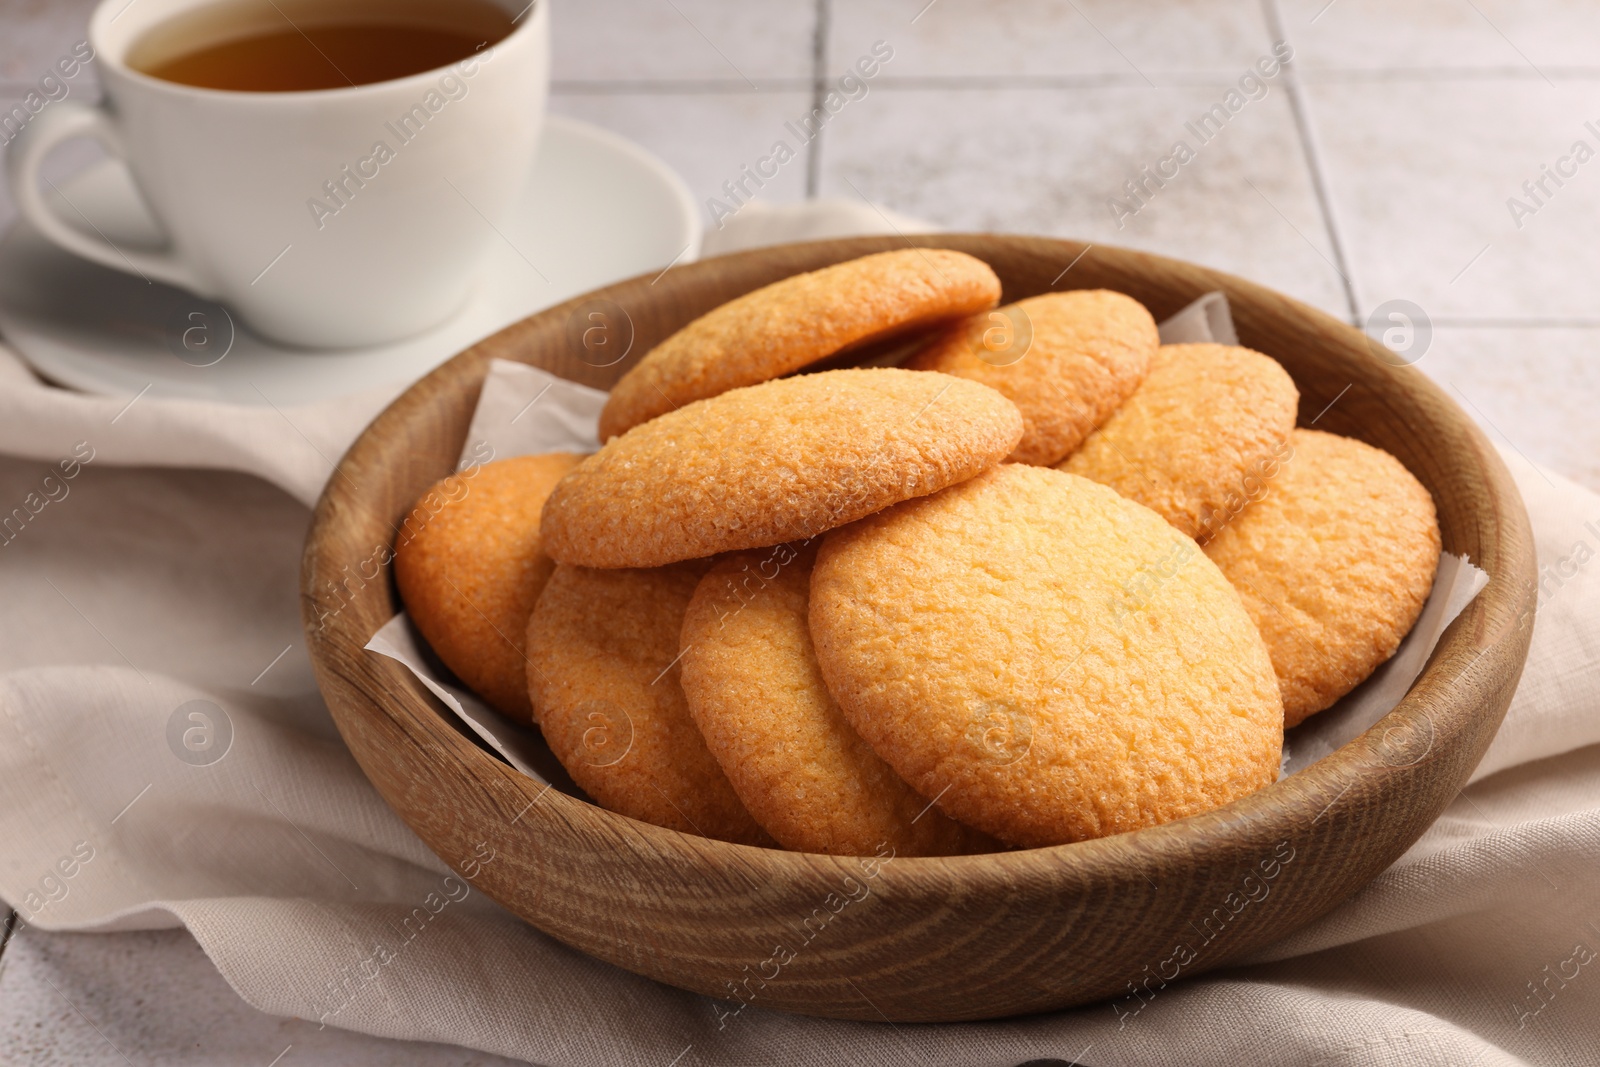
{"x":1060,"y":39}
{"x":88,"y":1000}
{"x":645,"y":40}
{"x":1050,"y":161}
{"x":1530,"y":388}
{"x":1422,"y":174}
{"x":1517,"y":37}
{"x":37,"y":33}
{"x":706,"y":137}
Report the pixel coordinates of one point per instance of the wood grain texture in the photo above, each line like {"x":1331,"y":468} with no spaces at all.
{"x":928,"y":939}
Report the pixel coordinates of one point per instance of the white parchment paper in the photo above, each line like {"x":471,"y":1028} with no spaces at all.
{"x":522,"y":411}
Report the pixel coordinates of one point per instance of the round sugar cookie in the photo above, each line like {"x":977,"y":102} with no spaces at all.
{"x":603,"y":674}
{"x":780,"y":461}
{"x":1192,"y":439}
{"x":797,"y":321}
{"x":1067,"y":360}
{"x":1333,"y":562}
{"x":754,"y":689}
{"x":469,"y":565}
{"x":1050,"y":660}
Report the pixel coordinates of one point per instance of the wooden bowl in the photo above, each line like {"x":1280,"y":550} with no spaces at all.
{"x":921,"y":939}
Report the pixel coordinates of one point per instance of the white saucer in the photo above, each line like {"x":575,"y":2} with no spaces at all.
{"x":597,"y":209}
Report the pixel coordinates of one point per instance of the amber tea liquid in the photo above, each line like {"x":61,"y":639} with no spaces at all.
{"x":253,"y":47}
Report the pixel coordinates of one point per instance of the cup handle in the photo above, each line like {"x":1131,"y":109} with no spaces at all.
{"x":65,"y":121}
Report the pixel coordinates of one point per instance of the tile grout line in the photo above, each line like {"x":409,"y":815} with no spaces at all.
{"x":681,"y":86}
{"x":1202,"y":79}
{"x":819,"y":78}
{"x":1187,"y":79}
{"x":1528,"y":322}
{"x":1365,"y":75}
{"x":1300,"y":108}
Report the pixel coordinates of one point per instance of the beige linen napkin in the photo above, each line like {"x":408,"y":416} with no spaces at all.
{"x":293,"y":448}
{"x":165,"y":760}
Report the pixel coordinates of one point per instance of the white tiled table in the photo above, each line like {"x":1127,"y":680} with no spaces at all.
{"x":1378,"y":169}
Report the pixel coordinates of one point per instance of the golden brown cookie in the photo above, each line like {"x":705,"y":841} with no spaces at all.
{"x":1193,"y":437}
{"x":1067,"y":360}
{"x":471,"y":568}
{"x":603,"y":673}
{"x":780,"y":461}
{"x":1333,"y":562}
{"x":795,"y":322}
{"x":756,"y":694}
{"x":1049,"y":660}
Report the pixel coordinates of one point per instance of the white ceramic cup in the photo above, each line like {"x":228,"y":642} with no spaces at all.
{"x":282,"y":204}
